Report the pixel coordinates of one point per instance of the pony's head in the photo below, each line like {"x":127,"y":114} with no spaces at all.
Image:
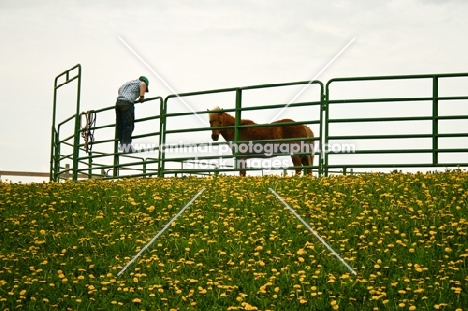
{"x":216,"y":120}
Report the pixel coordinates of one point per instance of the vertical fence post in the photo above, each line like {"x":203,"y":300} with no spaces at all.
{"x":162,"y":132}
{"x":56,"y":158}
{"x":323,"y":108}
{"x":115,"y":170}
{"x":54,"y":138}
{"x":90,"y":165}
{"x":324,"y":123}
{"x":76,"y":139}
{"x":237,"y":125}
{"x":162,"y":137}
{"x":435,"y":120}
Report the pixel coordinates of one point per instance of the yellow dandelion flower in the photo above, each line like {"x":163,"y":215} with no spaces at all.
{"x":301,"y":251}
{"x":248,"y":306}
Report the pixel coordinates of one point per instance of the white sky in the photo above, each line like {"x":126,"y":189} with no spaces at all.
{"x":201,"y":45}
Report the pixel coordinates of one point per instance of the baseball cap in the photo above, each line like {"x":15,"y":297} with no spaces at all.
{"x":144,"y":79}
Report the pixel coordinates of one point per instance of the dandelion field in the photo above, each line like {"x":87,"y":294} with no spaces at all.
{"x":237,"y":247}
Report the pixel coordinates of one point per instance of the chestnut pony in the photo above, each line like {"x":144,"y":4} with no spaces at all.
{"x":219,"y":118}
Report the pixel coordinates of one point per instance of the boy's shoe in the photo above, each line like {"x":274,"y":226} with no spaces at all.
{"x":126,"y":148}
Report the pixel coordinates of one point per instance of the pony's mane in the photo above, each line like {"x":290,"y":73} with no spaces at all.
{"x":216,"y":110}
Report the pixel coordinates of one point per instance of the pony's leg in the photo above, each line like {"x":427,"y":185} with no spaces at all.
{"x":242,"y":164}
{"x":296,"y":160}
{"x":307,"y":160}
{"x":311,"y":159}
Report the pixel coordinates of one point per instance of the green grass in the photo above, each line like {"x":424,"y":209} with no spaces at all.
{"x":236,"y":247}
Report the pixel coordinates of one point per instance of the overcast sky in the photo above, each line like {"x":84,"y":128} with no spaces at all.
{"x":199,"y":45}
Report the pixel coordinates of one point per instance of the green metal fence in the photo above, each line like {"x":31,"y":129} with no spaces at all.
{"x":99,"y":163}
{"x":325,"y":110}
{"x":98,"y":158}
{"x":168,"y":117}
{"x":427,"y":116}
{"x":56,"y":155}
